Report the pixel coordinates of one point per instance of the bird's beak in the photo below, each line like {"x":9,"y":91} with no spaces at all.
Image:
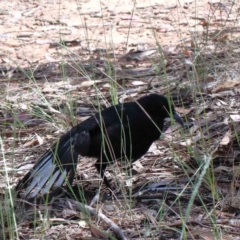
{"x":178,"y":119}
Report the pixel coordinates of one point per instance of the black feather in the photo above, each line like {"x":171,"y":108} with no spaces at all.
{"x":122,"y":131}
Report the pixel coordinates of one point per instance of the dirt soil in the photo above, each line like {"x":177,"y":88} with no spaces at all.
{"x":34,"y":33}
{"x":59,"y":57}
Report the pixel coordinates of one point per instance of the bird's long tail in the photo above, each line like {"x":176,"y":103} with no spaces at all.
{"x":52,"y":170}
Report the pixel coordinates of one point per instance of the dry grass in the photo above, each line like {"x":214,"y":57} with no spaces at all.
{"x":51,"y":81}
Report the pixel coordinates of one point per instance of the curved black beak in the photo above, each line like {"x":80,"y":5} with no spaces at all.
{"x":178,"y":119}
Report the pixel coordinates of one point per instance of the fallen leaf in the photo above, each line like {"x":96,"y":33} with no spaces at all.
{"x":235,"y":118}
{"x":138,"y":83}
{"x":226,"y":139}
{"x":226,"y":85}
{"x":97,"y":233}
{"x":40,"y":139}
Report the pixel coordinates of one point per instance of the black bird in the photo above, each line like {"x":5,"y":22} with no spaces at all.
{"x":122,"y":131}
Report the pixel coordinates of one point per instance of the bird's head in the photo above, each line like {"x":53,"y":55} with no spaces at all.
{"x":158,"y":106}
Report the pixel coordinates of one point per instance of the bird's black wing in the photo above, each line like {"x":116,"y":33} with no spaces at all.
{"x":58,"y":164}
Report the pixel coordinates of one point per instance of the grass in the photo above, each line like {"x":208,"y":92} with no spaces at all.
{"x":51,"y":96}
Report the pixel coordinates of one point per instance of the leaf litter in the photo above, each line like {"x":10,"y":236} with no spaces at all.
{"x":49,"y":84}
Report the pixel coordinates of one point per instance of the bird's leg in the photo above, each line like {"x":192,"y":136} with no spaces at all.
{"x":101,"y":170}
{"x":107,"y":183}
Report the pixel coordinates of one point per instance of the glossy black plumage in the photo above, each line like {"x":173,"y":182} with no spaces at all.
{"x":122,"y":131}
